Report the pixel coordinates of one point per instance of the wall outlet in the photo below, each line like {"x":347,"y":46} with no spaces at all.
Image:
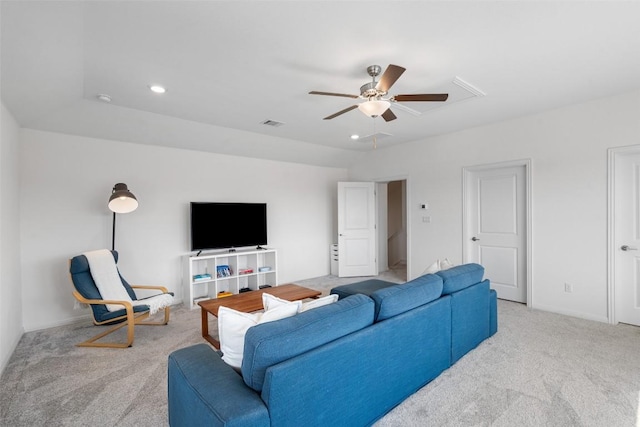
{"x":426,"y":219}
{"x":568,"y":288}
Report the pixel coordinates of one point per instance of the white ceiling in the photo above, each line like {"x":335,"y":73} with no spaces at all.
{"x":230,"y":65}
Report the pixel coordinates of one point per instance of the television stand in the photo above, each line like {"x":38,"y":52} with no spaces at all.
{"x":201,"y":281}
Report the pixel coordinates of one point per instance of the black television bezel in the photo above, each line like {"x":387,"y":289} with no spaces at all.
{"x":257,"y":244}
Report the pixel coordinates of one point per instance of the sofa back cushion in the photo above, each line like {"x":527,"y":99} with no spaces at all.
{"x":271,"y":343}
{"x":460,"y":277}
{"x":398,"y":299}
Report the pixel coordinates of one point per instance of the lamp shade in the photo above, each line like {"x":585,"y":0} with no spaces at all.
{"x":374,"y":108}
{"x":122,"y":200}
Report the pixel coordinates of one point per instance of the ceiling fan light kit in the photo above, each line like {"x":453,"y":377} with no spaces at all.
{"x":374,"y":93}
{"x":374,"y":108}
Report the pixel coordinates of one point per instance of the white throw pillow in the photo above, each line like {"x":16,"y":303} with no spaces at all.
{"x":270,"y":302}
{"x":319,"y":302}
{"x":446,"y":264}
{"x":233,"y":325}
{"x":433,"y":268}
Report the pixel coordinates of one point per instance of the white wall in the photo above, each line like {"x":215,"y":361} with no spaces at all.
{"x":568,"y":150}
{"x":10,"y":291}
{"x":67,"y":180}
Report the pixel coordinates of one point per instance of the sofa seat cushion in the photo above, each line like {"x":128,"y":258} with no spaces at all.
{"x":366,"y":287}
{"x":394,"y":300}
{"x":460,"y":277}
{"x":271,"y":343}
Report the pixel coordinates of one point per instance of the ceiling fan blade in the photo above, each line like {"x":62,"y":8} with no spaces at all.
{"x":422,"y":97}
{"x":388,"y":115}
{"x":391,"y":74}
{"x":407,"y":109}
{"x":346,"y":110}
{"x":346,"y":95}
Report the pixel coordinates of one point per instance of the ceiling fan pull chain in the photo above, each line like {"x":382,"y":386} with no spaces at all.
{"x":375,"y":143}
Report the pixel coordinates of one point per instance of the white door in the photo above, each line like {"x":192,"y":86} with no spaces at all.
{"x":627,"y":237}
{"x":356,"y":229}
{"x":496,"y":229}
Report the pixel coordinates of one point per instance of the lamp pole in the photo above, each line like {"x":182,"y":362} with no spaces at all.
{"x":113,"y":233}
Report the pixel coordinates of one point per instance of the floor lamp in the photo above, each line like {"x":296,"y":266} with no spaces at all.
{"x":121,"y":201}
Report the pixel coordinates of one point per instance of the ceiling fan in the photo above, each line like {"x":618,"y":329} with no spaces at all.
{"x":375,"y":92}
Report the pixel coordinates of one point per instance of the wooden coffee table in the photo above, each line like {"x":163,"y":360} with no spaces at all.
{"x":248,"y":302}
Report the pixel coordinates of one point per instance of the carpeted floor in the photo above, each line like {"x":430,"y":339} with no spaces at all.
{"x":540,"y":369}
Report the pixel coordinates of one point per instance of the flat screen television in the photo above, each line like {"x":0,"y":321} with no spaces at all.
{"x":227,"y":225}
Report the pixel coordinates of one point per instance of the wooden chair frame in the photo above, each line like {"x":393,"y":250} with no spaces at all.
{"x":131,"y":319}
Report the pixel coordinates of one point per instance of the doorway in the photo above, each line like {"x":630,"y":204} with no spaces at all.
{"x":496,"y":226}
{"x":396,"y":238}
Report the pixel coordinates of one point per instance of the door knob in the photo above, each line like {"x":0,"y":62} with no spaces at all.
{"x":475,"y":239}
{"x":628,"y":248}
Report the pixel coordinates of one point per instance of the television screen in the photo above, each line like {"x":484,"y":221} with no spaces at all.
{"x":228,"y":225}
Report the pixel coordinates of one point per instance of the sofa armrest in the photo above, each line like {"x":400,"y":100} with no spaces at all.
{"x":203,"y":390}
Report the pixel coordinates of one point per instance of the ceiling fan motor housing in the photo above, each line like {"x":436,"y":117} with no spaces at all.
{"x":368,"y":90}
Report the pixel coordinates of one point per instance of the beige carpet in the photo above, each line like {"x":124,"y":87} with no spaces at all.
{"x":541,"y":369}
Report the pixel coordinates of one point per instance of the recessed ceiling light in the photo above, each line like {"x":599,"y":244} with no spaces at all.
{"x":354,"y":136}
{"x":103,"y":97}
{"x":157,"y":89}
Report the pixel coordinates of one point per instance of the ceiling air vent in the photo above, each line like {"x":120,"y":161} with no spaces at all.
{"x":273,"y":123}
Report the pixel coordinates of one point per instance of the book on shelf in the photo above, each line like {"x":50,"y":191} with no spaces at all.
{"x":199,"y":277}
{"x":224,"y":271}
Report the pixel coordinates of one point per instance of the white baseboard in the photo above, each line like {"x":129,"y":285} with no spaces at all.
{"x":63,"y":322}
{"x":579,"y":314}
{"x":5,"y":357}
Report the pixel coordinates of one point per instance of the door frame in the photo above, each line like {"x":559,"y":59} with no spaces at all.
{"x":466,"y":236}
{"x":612,"y":155}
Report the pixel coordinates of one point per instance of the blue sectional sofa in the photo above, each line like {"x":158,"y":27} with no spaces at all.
{"x":343,"y":364}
